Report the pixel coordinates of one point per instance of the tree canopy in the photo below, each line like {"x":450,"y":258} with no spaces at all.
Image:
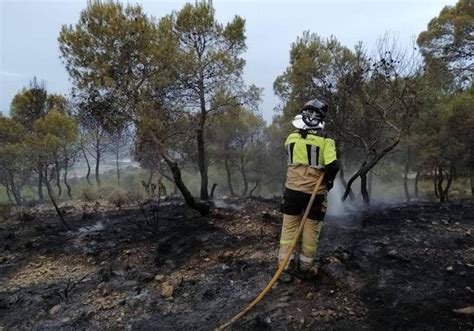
{"x":449,"y":38}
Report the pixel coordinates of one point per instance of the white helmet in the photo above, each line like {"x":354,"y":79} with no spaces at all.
{"x":312,"y":116}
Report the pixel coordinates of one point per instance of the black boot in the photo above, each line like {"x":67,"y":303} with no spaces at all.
{"x":285,"y":277}
{"x":310,"y":274}
{"x":288,"y":273}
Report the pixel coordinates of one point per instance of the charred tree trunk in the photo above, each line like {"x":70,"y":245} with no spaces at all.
{"x":88,"y":166}
{"x":202,"y":208}
{"x":10,"y":200}
{"x":244,"y":177}
{"x":344,"y":182}
{"x":349,"y":184}
{"x":370,"y":177}
{"x":213,"y":189}
{"x":202,"y":164}
{"x":14,"y":190}
{"x":229,"y":175}
{"x":40,"y":184}
{"x":97,"y":166}
{"x":117,"y":166}
{"x":254,"y":188}
{"x":150,"y":177}
{"x":449,"y":177}
{"x":435,"y":182}
{"x":471,"y":175}
{"x":16,"y":196}
{"x":58,"y":178}
{"x":405,"y":176}
{"x":246,"y":183}
{"x":202,"y":161}
{"x":440,"y":180}
{"x":417,"y":178}
{"x":66,"y":167}
{"x":15,"y":193}
{"x":53,"y":200}
{"x":371,"y":159}
{"x":363,"y":188}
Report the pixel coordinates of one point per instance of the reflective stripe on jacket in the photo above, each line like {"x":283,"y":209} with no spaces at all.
{"x":313,"y":151}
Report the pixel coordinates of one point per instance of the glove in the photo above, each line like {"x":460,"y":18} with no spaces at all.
{"x":331,"y":171}
{"x":329,"y":185}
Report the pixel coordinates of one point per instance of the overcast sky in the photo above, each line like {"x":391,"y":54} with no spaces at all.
{"x":29,"y":31}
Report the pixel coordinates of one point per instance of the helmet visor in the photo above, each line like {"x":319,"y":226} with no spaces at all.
{"x":299,"y":123}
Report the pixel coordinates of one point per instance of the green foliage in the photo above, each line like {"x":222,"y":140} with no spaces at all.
{"x":11,"y":131}
{"x":117,"y":58}
{"x":178,"y":80}
{"x":443,"y":132}
{"x":58,"y":125}
{"x":371,"y":99}
{"x":460,"y":126}
{"x":209,"y":69}
{"x":15,"y":164}
{"x":109,"y":45}
{"x":318,"y":68}
{"x":441,"y":138}
{"x":449,"y":39}
{"x":130,"y":190}
{"x":210,"y":53}
{"x":237,"y":144}
{"x":57,"y":102}
{"x":29,"y":104}
{"x":52,"y":134}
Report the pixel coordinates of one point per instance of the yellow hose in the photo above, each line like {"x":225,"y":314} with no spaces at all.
{"x":282,"y":265}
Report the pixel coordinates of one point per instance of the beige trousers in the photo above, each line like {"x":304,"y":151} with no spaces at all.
{"x":308,"y":242}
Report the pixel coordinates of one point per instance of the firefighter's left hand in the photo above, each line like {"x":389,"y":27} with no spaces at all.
{"x":329,"y":185}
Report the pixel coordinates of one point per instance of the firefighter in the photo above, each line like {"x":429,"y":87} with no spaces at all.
{"x":310,"y":153}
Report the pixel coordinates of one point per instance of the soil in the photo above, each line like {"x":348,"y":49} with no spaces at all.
{"x":161,"y":266}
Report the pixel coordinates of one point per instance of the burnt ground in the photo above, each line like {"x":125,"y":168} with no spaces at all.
{"x":164,"y":267}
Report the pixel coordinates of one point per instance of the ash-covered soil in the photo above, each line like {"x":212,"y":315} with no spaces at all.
{"x":164,"y":267}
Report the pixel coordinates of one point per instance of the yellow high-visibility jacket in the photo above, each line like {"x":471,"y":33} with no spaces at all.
{"x":307,"y":157}
{"x":313,"y":151}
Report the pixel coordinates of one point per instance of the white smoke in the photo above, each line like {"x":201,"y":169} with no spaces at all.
{"x":336,"y":207}
{"x":224,"y":205}
{"x":99,"y":226}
